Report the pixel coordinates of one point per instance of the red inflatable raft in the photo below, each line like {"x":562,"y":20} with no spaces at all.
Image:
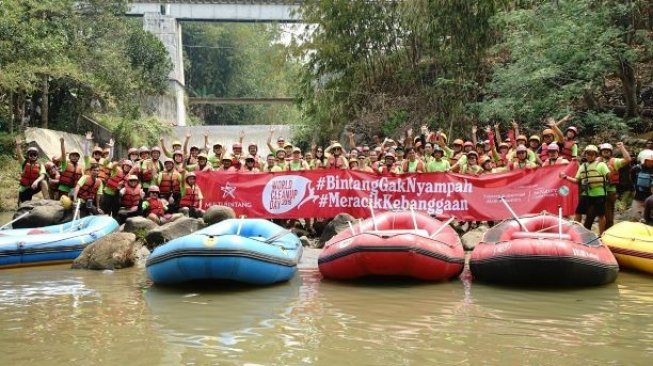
{"x":394,"y":244}
{"x":545,"y":251}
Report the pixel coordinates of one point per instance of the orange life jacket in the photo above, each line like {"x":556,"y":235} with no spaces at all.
{"x":455,"y":158}
{"x":131,"y":197}
{"x":117,"y":181}
{"x":169,"y":183}
{"x":30,"y":173}
{"x":71,"y":174}
{"x":104,"y":169}
{"x":155,"y":206}
{"x":566,"y":150}
{"x":613,"y":176}
{"x":145,"y":175}
{"x":191,"y":197}
{"x":88,"y":190}
{"x":558,"y":161}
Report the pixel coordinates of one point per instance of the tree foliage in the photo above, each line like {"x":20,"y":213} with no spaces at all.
{"x":62,"y":58}
{"x":587,"y":57}
{"x":239,"y":60}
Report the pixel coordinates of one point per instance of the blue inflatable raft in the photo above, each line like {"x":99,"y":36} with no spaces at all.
{"x":52,"y":244}
{"x":252,"y":251}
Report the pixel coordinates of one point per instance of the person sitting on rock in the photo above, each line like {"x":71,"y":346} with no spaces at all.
{"x":89,"y":192}
{"x":191,"y":197}
{"x":155,"y":208}
{"x":130,"y":198}
{"x":95,"y":158}
{"x":169,"y":182}
{"x":32,"y":178}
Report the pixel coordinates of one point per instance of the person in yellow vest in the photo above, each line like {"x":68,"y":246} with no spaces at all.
{"x":439,"y":162}
{"x":412,"y":164}
{"x":33,"y":174}
{"x":614,"y":164}
{"x":591,"y":176}
{"x":271,"y":165}
{"x":89,"y":192}
{"x":521,"y":160}
{"x":471,"y":167}
{"x":297,"y":163}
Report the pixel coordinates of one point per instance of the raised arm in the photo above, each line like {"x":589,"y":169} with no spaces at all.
{"x":351,"y":140}
{"x":269,"y":140}
{"x":474,"y":131}
{"x":163,"y":148}
{"x":206,"y":143}
{"x":63,"y":149}
{"x":87,"y":143}
{"x":19,"y":152}
{"x":241,"y":136}
{"x":554,"y":126}
{"x":624,"y":152}
{"x":110,"y":144}
{"x":185,"y":148}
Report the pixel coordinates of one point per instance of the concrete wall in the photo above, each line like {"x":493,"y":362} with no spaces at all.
{"x":244,"y":11}
{"x":227,"y":135}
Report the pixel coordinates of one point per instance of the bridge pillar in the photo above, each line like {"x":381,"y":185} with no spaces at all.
{"x":168,"y":30}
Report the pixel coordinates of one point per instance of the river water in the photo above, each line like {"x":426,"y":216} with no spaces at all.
{"x":56,"y":316}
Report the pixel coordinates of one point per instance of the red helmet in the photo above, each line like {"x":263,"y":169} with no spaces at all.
{"x":553,"y":147}
{"x":154,"y":189}
{"x":605,"y":146}
{"x":127,"y":162}
{"x":521,"y":148}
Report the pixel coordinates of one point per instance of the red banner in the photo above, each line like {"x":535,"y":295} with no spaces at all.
{"x":326,"y":193}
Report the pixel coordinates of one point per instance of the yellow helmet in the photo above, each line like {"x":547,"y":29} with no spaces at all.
{"x":66,"y":202}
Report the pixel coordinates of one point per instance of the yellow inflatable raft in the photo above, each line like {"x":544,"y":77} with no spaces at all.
{"x":632,"y":245}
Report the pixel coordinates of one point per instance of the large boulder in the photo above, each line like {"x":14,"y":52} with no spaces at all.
{"x":172,"y":230}
{"x":474,"y":236}
{"x":113,"y":251}
{"x":139,"y":225}
{"x":215,"y":214}
{"x":631,"y":214}
{"x":335,"y":227}
{"x":40,"y":213}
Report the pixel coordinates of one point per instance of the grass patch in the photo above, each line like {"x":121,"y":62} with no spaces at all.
{"x":9,"y":177}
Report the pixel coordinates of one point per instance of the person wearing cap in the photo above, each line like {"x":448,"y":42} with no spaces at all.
{"x":118,"y":173}
{"x":501,"y":156}
{"x":33,"y":174}
{"x":648,"y":148}
{"x":169,"y":181}
{"x":520,"y":159}
{"x":280,"y":160}
{"x":336,"y":157}
{"x":191,"y":197}
{"x":202,"y":164}
{"x":553,"y":156}
{"x":249,"y":166}
{"x":297,"y":163}
{"x":89,"y":192}
{"x":271,"y":164}
{"x":389,"y":165}
{"x":130,"y":199}
{"x":227,"y":165}
{"x":132,"y":154}
{"x":439,"y":163}
{"x":455,"y":155}
{"x":279,"y":144}
{"x":614,"y":164}
{"x":521,"y":140}
{"x":535,"y":146}
{"x":178,"y":160}
{"x":252,"y":150}
{"x":471,"y":167}
{"x":71,"y":170}
{"x":591,"y":176}
{"x":548,"y":138}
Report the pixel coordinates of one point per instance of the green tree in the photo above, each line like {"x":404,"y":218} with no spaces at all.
{"x":581,"y":56}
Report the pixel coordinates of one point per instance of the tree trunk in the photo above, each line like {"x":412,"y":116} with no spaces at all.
{"x":629,"y":87}
{"x":11,"y":118}
{"x":45,"y":84}
{"x":19,"y":109}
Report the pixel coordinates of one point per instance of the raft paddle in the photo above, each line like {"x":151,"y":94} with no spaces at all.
{"x":373,"y":216}
{"x":14,"y":220}
{"x":351,"y":227}
{"x":412,"y":213}
{"x":75,"y":215}
{"x":559,"y":222}
{"x":514,"y":215}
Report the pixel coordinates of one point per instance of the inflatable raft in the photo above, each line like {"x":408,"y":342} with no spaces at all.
{"x":394,"y":244}
{"x":52,"y":244}
{"x":542,"y":250}
{"x":632,"y":245}
{"x":252,"y":251}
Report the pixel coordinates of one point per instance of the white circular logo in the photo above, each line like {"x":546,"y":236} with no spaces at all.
{"x":563,"y":191}
{"x":283,"y":193}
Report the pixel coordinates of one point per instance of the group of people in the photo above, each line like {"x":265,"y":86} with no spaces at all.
{"x":156,"y":182}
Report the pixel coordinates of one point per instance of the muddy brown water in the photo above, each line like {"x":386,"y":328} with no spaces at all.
{"x":57,"y":316}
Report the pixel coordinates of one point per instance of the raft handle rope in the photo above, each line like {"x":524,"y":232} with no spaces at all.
{"x":439,"y":230}
{"x":514,"y":215}
{"x":14,"y":220}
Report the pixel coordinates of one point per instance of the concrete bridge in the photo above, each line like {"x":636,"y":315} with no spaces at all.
{"x":162,"y":18}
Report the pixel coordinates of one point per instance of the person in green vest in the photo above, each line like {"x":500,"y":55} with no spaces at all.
{"x":614,"y":164}
{"x":592,"y":178}
{"x":297,"y":163}
{"x":439,"y":162}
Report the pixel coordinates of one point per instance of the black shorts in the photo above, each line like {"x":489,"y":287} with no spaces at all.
{"x":596,"y":204}
{"x":27,"y":194}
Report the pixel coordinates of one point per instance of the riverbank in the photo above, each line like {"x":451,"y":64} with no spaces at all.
{"x":9,"y":175}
